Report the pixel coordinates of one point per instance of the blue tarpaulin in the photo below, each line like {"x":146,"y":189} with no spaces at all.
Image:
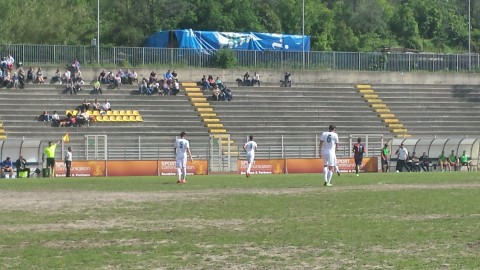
{"x":211,"y":40}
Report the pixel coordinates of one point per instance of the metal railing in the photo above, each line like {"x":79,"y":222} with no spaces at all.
{"x":314,"y":60}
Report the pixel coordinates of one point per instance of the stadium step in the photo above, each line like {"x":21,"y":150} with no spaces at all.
{"x":210,"y":118}
{"x":376,"y":103}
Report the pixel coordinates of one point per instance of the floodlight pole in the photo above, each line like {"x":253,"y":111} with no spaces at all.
{"x":469,"y":37}
{"x":98,"y":31}
{"x":303,"y":34}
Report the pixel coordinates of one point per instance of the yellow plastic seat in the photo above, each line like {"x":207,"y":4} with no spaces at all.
{"x":105,"y":118}
{"x":109,"y":112}
{"x":132,"y":118}
{"x":125,"y":118}
{"x":139,"y":118}
{"x":129,"y":112}
{"x":99,"y":118}
{"x":75,"y":112}
{"x":112,"y":118}
{"x":119,"y":118}
{"x":122,"y":112}
{"x":90,"y":112}
{"x":96,"y":112}
{"x":136,"y":113}
{"x":68,"y":112}
{"x":116,"y":112}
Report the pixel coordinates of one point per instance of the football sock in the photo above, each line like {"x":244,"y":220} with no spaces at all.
{"x":330,"y":174}
{"x":179,"y":173}
{"x":325,"y":173}
{"x":184,"y":174}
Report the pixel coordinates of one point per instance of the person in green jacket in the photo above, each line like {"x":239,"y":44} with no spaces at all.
{"x":442,"y":162}
{"x":465,"y":161}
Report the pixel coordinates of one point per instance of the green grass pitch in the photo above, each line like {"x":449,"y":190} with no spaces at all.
{"x":374,"y":221}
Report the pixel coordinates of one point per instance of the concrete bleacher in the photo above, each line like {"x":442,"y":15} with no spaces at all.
{"x":164,"y":117}
{"x":299,"y":114}
{"x":441,"y":111}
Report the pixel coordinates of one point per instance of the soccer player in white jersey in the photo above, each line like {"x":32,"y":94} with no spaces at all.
{"x":328,"y":147}
{"x":182,"y":149}
{"x":250,"y":148}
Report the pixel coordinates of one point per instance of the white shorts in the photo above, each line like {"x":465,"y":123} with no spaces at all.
{"x":329,"y":159}
{"x":182,"y":162}
{"x":250,"y":158}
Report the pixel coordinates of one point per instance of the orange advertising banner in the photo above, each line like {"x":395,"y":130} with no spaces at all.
{"x":132,"y":168}
{"x":304,"y":165}
{"x":263,"y":166}
{"x":315,"y":165}
{"x":197,"y":167}
{"x":81,"y":169}
{"x":128,"y":168}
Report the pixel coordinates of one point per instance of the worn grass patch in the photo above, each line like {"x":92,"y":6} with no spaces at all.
{"x":375,"y":221}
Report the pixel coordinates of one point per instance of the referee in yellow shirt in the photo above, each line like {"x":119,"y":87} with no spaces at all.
{"x":49,"y":152}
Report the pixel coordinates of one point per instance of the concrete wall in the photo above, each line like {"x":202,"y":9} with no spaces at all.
{"x":274,"y":76}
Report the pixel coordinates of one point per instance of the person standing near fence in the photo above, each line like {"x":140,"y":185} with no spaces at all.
{"x":250,"y":148}
{"x":328,"y":147}
{"x":402,"y":155}
{"x":68,"y":161}
{"x":182,"y":151}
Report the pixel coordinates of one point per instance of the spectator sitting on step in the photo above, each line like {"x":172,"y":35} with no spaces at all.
{"x":453,"y":160}
{"x":246,"y":79}
{"x":7,"y":167}
{"x":21,"y":77}
{"x":67,"y":76}
{"x":165,"y":87}
{"x":78,"y":86}
{"x":174,"y":75}
{"x":30,"y":77}
{"x":83,"y":118}
{"x":175,"y":87}
{"x":211,"y":81}
{"x":102,"y":77}
{"x":10,"y":62}
{"x":57,"y":78}
{"x":77,"y":76}
{"x":144,"y":88}
{"x":205,"y":84}
{"x":227,"y":94}
{"x":153,"y":77}
{"x":96,"y":105}
{"x":110,"y":77}
{"x":415,"y":163}
{"x":45,"y":117}
{"x":85,"y":105}
{"x":217,"y":94}
{"x":256,"y":79}
{"x":168,"y":77}
{"x":465,"y":161}
{"x":220,"y":84}
{"x":117,"y":82}
{"x":39,"y":78}
{"x":425,"y":162}
{"x":7,"y":79}
{"x":155,"y":87}
{"x":106,"y":105}
{"x":69,"y":89}
{"x":97,"y":87}
{"x":55,"y":119}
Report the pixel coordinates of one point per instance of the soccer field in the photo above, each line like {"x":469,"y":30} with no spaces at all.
{"x":374,"y":221}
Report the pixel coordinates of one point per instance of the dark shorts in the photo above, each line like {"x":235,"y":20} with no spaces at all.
{"x":51,"y":162}
{"x":385,"y":161}
{"x":358,"y":161}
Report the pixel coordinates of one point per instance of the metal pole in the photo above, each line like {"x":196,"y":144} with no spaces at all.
{"x":303,"y":34}
{"x":469,"y":37}
{"x":98,"y":31}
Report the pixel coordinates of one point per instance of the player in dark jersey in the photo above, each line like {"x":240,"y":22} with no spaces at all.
{"x":358,"y":150}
